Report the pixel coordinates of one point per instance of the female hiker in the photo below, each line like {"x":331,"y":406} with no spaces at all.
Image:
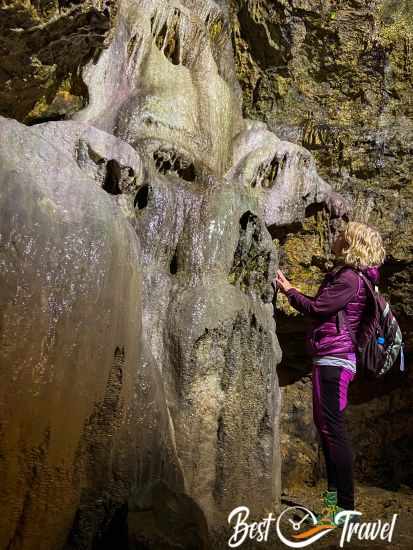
{"x":330,"y":344}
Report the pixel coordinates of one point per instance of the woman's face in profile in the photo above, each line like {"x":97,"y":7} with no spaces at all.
{"x":338,"y":244}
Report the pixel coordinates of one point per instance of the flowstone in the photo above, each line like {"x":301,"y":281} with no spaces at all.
{"x":167,"y":353}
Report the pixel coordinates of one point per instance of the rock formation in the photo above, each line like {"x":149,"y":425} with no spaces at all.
{"x":78,"y":418}
{"x":43,"y":46}
{"x":336,"y":78}
{"x":140,"y":401}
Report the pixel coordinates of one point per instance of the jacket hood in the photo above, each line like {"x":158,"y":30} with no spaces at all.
{"x":373,"y":273}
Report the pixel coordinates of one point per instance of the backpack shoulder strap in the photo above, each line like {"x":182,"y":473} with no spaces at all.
{"x":342,"y":314}
{"x":368,"y":282}
{"x":343,"y":320}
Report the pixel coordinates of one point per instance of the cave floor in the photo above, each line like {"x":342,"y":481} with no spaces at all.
{"x":374,"y":503}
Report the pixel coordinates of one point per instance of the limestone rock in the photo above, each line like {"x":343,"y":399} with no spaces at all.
{"x":145,"y":225}
{"x":283,"y":173}
{"x":335,"y":78}
{"x":43,"y":46}
{"x":82,"y":402}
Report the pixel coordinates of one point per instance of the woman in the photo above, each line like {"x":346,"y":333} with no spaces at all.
{"x":330,"y":344}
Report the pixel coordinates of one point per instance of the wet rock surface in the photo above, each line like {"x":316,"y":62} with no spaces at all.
{"x":202,"y":218}
{"x":335,"y":78}
{"x":78,"y":418}
{"x":152,"y":206}
{"x":142,"y":232}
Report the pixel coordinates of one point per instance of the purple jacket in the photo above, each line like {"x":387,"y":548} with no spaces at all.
{"x":340,"y":289}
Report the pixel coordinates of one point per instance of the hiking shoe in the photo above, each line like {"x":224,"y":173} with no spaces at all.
{"x":326,"y":517}
{"x":329,"y":498}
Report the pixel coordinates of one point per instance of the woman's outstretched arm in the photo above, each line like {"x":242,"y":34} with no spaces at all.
{"x":331,"y":299}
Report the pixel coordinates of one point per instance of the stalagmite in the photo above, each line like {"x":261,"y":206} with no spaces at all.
{"x":139,"y":343}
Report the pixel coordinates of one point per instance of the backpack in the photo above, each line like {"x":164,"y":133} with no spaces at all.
{"x":379,"y":343}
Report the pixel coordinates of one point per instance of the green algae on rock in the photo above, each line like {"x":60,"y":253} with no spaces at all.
{"x":336,"y":78}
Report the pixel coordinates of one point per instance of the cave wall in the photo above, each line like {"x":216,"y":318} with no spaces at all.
{"x":144,"y":212}
{"x":43,"y":46}
{"x":336,"y":78}
{"x":78,"y":418}
{"x":346,"y":73}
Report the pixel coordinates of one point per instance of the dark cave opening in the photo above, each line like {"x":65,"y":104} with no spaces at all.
{"x":116,"y":533}
{"x":295,"y":363}
{"x":313,"y":208}
{"x":188,"y":173}
{"x":112,"y":177}
{"x":173,"y":266}
{"x":141,"y":197}
{"x":46,"y":118}
{"x":281,"y":232}
{"x":167,"y":39}
{"x":256,"y":36}
{"x":168,"y":161}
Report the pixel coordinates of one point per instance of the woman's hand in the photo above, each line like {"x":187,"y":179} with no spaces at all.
{"x":281,"y":282}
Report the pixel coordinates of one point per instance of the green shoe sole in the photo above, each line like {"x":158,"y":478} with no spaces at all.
{"x":326,"y":517}
{"x":329,"y":498}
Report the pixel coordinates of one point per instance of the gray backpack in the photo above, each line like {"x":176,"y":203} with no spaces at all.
{"x":379,"y":342}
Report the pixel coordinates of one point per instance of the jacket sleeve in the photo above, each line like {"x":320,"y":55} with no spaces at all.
{"x":329,"y":300}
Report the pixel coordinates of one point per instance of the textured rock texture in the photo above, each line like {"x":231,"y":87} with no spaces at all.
{"x":216,"y":182}
{"x":138,"y":333}
{"x":43,"y":46}
{"x":78,"y":417}
{"x":336,"y":78}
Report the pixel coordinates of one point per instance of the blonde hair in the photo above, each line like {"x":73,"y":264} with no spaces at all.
{"x":364,"y":246}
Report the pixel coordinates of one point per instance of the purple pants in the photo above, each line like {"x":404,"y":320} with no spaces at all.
{"x":330,"y":386}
